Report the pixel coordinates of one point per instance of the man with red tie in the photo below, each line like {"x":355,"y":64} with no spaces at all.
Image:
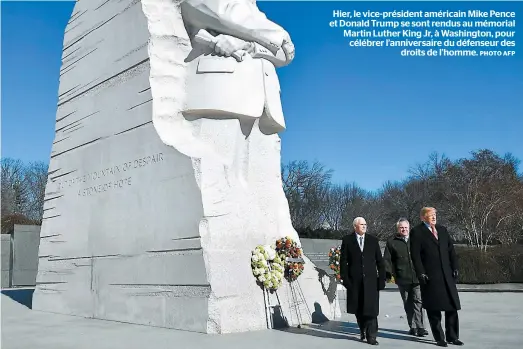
{"x":436,"y":266}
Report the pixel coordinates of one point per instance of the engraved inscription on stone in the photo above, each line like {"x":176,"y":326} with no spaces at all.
{"x":105,"y":174}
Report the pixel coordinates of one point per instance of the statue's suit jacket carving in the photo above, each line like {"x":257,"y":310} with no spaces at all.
{"x":221,"y":86}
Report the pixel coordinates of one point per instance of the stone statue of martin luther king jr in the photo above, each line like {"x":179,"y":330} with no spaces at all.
{"x":231,"y":69}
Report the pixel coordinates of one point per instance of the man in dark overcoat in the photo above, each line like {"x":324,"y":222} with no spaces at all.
{"x":436,"y":266}
{"x":362,"y":270}
{"x":398,"y":263}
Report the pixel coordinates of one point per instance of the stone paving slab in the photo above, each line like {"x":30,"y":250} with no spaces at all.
{"x":488,"y":320}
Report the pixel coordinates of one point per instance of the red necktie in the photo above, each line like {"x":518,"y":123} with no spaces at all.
{"x":434,"y":232}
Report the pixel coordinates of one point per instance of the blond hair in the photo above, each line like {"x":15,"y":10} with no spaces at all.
{"x":426,"y":210}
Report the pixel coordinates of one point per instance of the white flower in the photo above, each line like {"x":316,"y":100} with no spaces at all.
{"x":254,"y":258}
{"x":271,"y":253}
{"x":261,"y":278}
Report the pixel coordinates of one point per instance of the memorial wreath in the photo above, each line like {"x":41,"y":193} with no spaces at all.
{"x":267,"y":266}
{"x":334,"y":261}
{"x":292,"y":253}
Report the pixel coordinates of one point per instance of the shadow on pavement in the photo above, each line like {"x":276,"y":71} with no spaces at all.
{"x":322,"y":327}
{"x":23,"y":296}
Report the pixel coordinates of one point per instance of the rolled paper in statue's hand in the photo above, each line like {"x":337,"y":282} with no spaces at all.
{"x":261,"y":52}
{"x":203,"y":37}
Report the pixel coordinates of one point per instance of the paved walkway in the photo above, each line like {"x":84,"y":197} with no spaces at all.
{"x":488,"y":320}
{"x":479,"y":287}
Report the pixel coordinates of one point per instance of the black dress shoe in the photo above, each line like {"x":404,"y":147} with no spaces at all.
{"x":421,"y":332}
{"x":456,"y":342}
{"x":441,"y":344}
{"x":413,"y":332}
{"x":372,"y":341}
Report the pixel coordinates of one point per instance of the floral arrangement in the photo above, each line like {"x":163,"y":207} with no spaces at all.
{"x":334,"y":261}
{"x":267,"y":266}
{"x":289,"y":248}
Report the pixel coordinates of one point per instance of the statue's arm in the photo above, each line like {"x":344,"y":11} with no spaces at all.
{"x":238,"y":18}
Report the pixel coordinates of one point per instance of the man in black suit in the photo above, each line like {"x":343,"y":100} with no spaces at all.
{"x":436,"y":266}
{"x":362,"y":270}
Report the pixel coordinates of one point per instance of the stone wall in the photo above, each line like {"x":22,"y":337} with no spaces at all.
{"x":6,"y":260}
{"x":20,"y":256}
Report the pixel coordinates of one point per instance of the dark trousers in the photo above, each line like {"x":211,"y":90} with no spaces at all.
{"x":451,"y":325}
{"x":411,"y":296}
{"x":368,"y":325}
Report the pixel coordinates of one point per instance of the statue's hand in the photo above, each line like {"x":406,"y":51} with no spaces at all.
{"x":288,"y":48}
{"x":226,"y":45}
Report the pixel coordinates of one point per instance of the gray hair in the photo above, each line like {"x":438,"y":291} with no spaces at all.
{"x":356,"y":220}
{"x":401,"y":220}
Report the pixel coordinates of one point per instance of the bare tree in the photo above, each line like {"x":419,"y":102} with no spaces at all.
{"x":479,"y":198}
{"x":339,"y":202}
{"x":306,"y":188}
{"x":356,"y":199}
{"x":22,"y":192}
{"x":35,"y":182}
{"x":13,"y":190}
{"x":480,"y":194}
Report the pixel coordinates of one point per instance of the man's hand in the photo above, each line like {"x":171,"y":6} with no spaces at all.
{"x":455,"y":274}
{"x":423,"y":279}
{"x":226,"y":45}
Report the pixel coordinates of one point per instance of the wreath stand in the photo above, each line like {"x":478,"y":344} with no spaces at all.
{"x":297,"y":298}
{"x":269,"y":306}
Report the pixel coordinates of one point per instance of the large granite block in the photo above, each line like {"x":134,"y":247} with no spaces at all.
{"x":317,"y":250}
{"x":6,"y":260}
{"x":26,"y":239}
{"x":150,"y":213}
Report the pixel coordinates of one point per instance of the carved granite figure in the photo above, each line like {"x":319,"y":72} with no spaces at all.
{"x":165,"y":168}
{"x":237,"y":49}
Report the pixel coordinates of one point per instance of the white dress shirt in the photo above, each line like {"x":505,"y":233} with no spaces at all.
{"x":360,"y":240}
